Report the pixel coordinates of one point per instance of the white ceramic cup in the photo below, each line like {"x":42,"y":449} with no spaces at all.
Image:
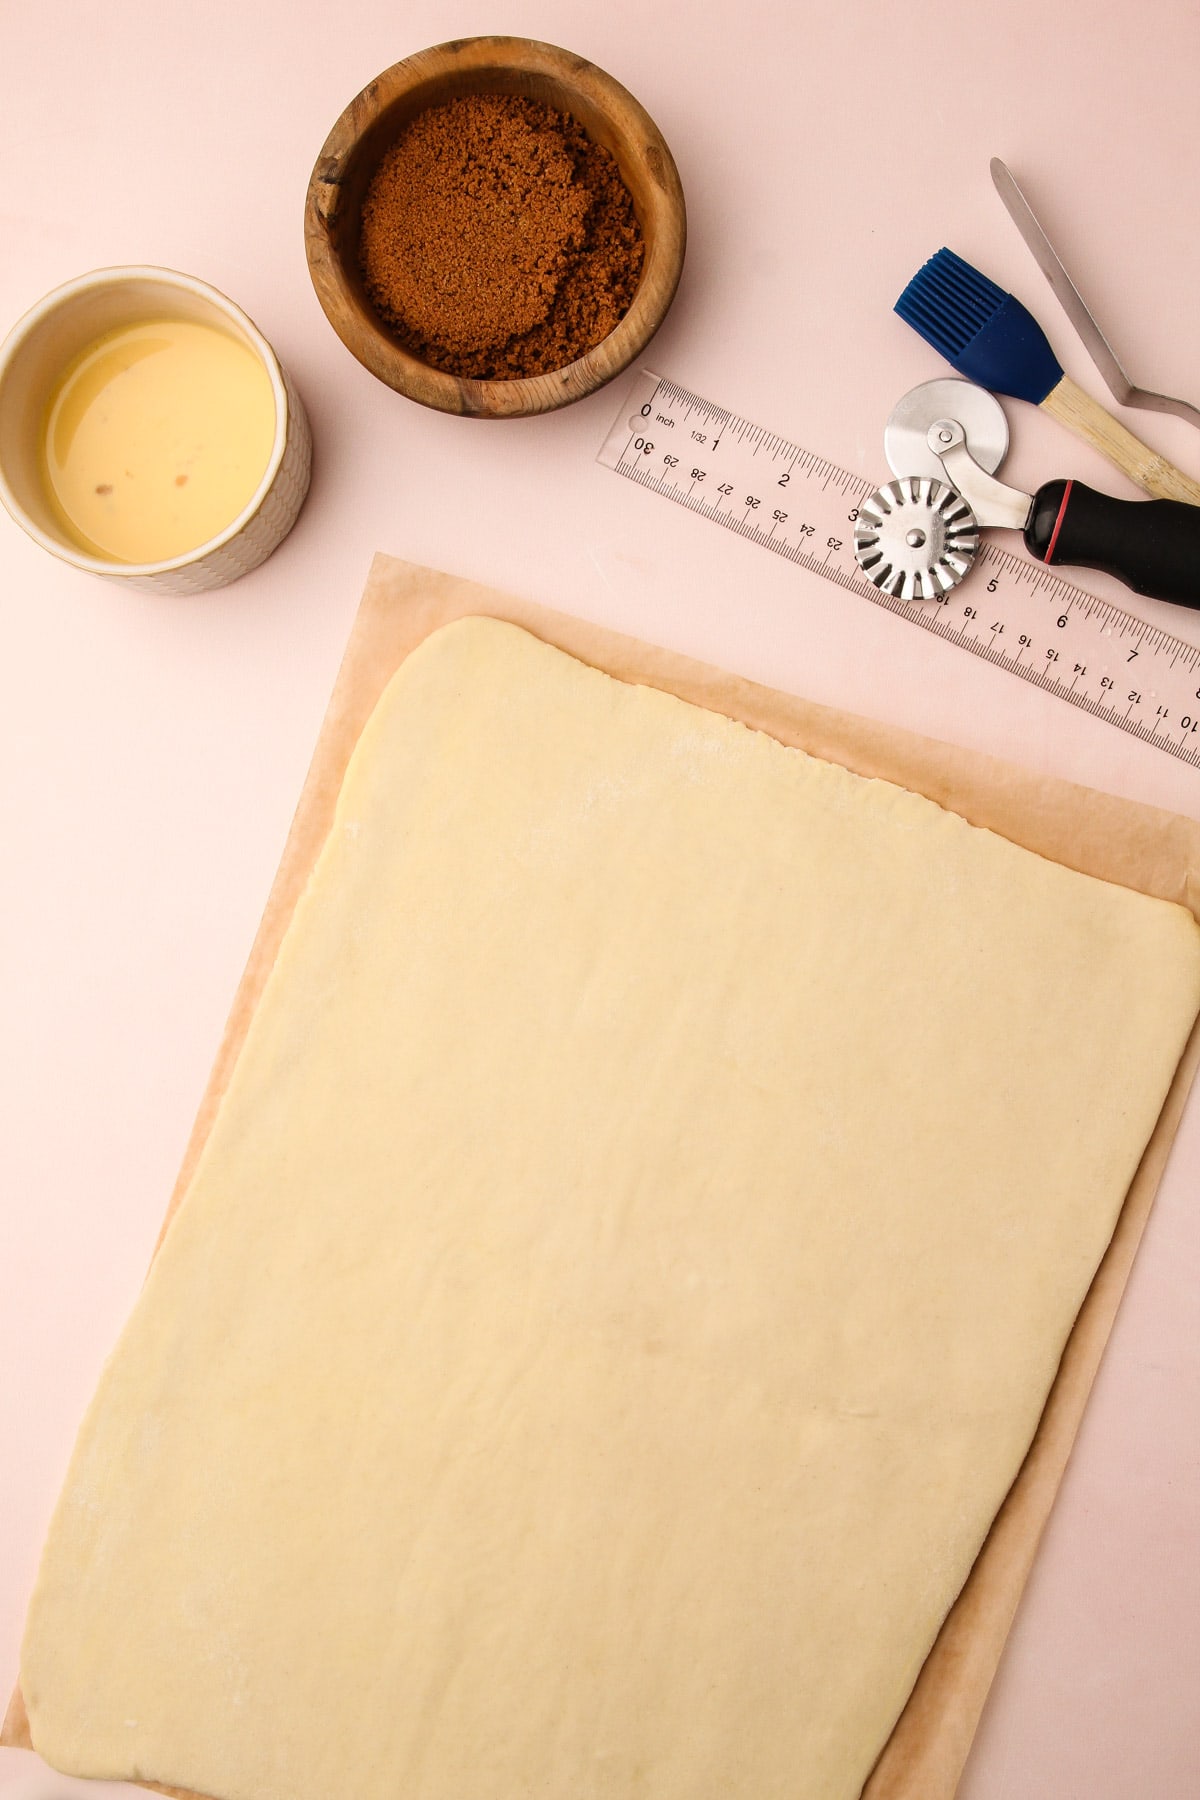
{"x":33,"y":357}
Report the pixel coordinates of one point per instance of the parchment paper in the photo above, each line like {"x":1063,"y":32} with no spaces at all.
{"x":1118,"y":840}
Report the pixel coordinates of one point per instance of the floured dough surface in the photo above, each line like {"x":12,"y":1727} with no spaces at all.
{"x":623,"y":1276}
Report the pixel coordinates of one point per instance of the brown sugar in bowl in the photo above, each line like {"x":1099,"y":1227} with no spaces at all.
{"x":369,"y":127}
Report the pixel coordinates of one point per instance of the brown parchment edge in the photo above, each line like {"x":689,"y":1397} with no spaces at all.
{"x":1118,"y":840}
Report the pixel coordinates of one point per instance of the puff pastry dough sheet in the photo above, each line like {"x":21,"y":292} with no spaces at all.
{"x":622,"y":1279}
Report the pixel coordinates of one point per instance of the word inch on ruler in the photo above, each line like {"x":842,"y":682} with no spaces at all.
{"x":1018,"y":615}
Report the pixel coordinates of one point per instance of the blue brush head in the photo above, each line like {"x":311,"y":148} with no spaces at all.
{"x":981,"y":331}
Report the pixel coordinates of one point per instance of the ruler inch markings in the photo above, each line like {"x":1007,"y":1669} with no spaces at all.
{"x":1020,"y":616}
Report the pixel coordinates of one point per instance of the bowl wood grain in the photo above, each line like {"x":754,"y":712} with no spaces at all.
{"x":494,"y":65}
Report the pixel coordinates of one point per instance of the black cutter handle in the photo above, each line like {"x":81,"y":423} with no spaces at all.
{"x":1151,"y":545}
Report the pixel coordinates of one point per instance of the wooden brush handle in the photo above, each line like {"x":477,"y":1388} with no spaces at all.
{"x":1088,"y":420}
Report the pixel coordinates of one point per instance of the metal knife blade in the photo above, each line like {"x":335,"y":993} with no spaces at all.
{"x":1068,"y":295}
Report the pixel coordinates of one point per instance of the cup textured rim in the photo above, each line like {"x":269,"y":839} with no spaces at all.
{"x":116,"y":277}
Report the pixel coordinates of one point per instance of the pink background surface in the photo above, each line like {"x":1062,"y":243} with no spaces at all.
{"x":152,"y":749}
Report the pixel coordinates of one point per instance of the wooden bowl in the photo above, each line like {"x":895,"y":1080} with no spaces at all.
{"x":492,"y":65}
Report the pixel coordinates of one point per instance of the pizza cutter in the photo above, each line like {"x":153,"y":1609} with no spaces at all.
{"x":918,"y":536}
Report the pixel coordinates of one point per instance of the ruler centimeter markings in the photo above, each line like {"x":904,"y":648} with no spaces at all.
{"x":1016,"y":614}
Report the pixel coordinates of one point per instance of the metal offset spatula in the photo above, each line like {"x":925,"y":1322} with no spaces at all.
{"x":1122,"y":389}
{"x":918,"y":536}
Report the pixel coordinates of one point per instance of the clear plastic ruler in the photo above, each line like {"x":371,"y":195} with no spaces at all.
{"x":1017,"y":614}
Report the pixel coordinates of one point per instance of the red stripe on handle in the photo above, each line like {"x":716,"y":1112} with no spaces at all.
{"x":1062,"y":513}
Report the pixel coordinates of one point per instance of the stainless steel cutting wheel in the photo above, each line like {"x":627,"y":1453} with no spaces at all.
{"x":906,"y":434}
{"x":915,"y":538}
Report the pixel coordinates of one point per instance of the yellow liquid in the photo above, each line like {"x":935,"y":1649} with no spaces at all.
{"x":156,"y":437}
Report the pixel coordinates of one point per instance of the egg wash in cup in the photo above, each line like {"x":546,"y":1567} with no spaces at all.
{"x":157,"y":435}
{"x":149,"y":433}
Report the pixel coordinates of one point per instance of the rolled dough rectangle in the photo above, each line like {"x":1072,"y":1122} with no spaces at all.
{"x":610,"y":796}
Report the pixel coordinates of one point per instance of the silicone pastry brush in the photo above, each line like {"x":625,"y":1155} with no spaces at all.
{"x":989,"y":337}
